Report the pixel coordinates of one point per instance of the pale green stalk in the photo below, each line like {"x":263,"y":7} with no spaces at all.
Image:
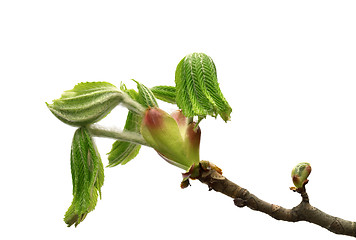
{"x":132,"y":105}
{"x":126,"y":136}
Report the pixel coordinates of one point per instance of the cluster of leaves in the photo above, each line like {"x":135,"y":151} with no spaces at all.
{"x":196,"y":77}
{"x":196,"y":93}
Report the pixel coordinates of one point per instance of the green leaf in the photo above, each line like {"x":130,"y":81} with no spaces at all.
{"x":87,"y":177}
{"x":122,"y":152}
{"x":86,"y":103}
{"x":197,"y":88}
{"x":165,"y":93}
{"x":146,"y":97}
{"x":133,"y":94}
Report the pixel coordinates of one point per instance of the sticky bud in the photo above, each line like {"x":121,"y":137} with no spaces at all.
{"x":300,"y":175}
{"x":172,"y":137}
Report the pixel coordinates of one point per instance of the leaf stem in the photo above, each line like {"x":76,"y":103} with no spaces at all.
{"x":132,"y":105}
{"x":127,"y":136}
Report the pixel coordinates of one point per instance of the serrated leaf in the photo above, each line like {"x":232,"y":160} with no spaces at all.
{"x":86,"y":103}
{"x":87,"y":177}
{"x":146,"y":96}
{"x":165,"y":93}
{"x":131,"y":92}
{"x":123,"y":152}
{"x":197,"y":88}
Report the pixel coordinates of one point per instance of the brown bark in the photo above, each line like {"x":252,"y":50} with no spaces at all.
{"x":302,"y":212}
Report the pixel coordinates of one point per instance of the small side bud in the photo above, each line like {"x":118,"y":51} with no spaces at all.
{"x":185,"y":183}
{"x":300,"y":175}
{"x":207,"y":166}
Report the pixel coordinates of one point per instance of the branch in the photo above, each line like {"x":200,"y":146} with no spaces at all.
{"x":303,"y":212}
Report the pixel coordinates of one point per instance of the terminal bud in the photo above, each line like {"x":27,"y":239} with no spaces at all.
{"x":300,"y":175}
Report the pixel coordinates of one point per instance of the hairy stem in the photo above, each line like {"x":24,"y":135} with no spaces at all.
{"x":126,"y":136}
{"x":132,"y":105}
{"x":303,"y":212}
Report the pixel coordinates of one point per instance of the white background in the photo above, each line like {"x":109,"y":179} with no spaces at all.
{"x":287,"y":69}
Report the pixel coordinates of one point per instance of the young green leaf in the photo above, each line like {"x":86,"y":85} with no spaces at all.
{"x":146,"y":97}
{"x":89,"y":102}
{"x":86,"y":103}
{"x":165,"y":93}
{"x":132,"y":93}
{"x":197,"y":88}
{"x":87,"y":177}
{"x":122,"y":152}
